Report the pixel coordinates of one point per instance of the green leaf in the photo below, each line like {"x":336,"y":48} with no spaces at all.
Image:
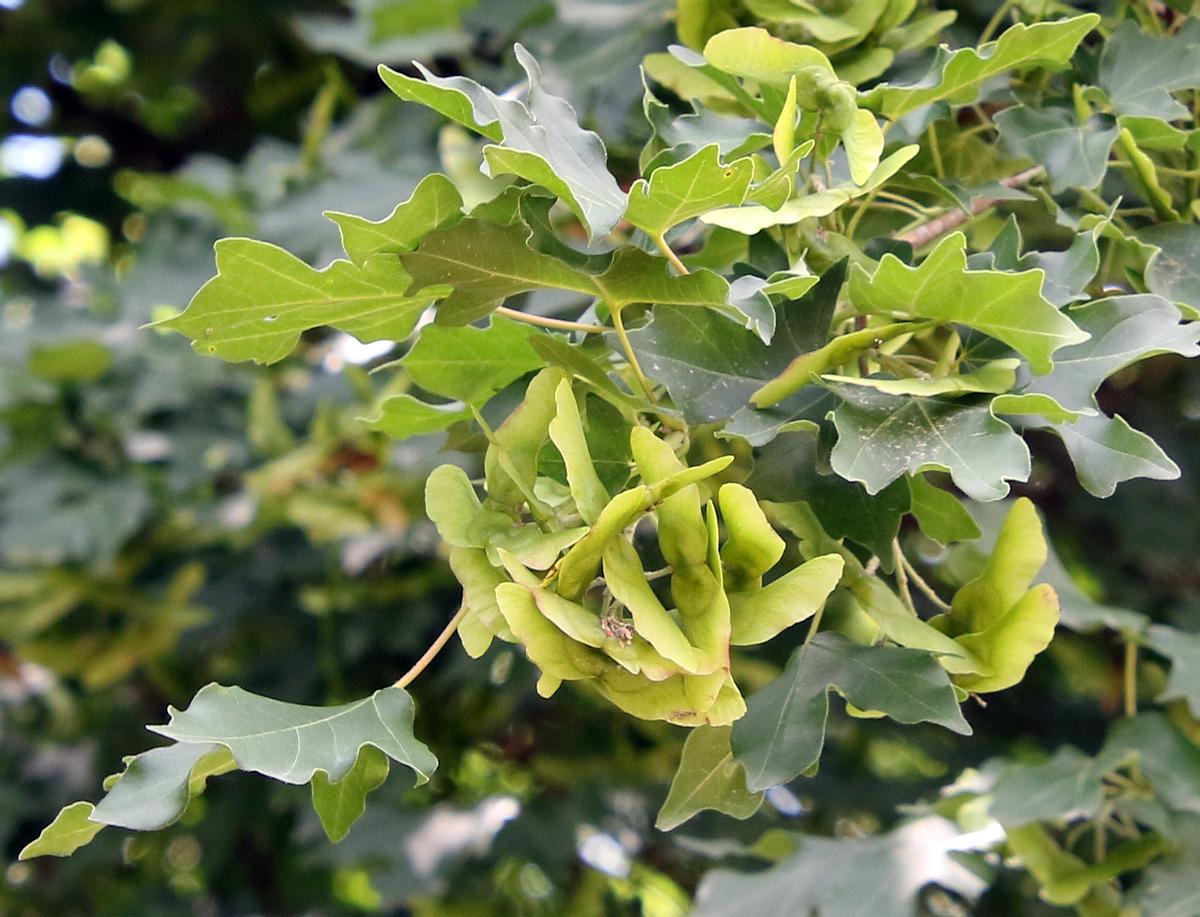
{"x":434,"y":203}
{"x":755,"y":54}
{"x":292,"y":742}
{"x":758,"y":614}
{"x":454,"y":508}
{"x":263,"y":298}
{"x":880,"y":437}
{"x":1017,"y":555}
{"x":71,"y":361}
{"x":996,"y":616}
{"x":404,"y":416}
{"x":485,"y":263}
{"x":1174,"y":270}
{"x":783,"y":731}
{"x":1183,"y":649}
{"x":707,"y":778}
{"x":939,"y":513}
{"x":71,"y":829}
{"x":1036,"y":405}
{"x":567,"y":434}
{"x":863,"y":140}
{"x":866,"y":877}
{"x":457,"y":98}
{"x":754,"y":218}
{"x":1005,"y":305}
{"x":994,"y":377}
{"x":687,"y":189}
{"x":1123,"y":330}
{"x":1139,"y":70}
{"x":956,"y":75}
{"x":1009,"y":645}
{"x":472,"y":364}
{"x":539,"y":140}
{"x":1073,"y":154}
{"x":339,"y":805}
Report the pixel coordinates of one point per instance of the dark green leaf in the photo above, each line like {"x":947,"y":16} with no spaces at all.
{"x":1139,"y":70}
{"x":1183,"y":649}
{"x":783,"y":731}
{"x":155,"y":787}
{"x":1107,"y":451}
{"x":868,"y":877}
{"x":1073,"y":154}
{"x":1123,"y":329}
{"x":712,"y":367}
{"x":880,"y":437}
{"x":1068,"y":786}
{"x":1174,"y":270}
{"x":785,"y":471}
{"x":291,"y":742}
{"x":539,"y":140}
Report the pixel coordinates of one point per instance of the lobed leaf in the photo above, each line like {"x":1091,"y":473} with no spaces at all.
{"x":783,"y":731}
{"x":956,"y":75}
{"x":708,"y":778}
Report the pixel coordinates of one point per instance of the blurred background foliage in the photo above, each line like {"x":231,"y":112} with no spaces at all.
{"x":168,"y":520}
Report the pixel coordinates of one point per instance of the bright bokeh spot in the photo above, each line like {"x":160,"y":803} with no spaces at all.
{"x":30,"y":156}
{"x":31,"y":106}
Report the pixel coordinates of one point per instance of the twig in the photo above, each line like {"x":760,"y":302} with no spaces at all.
{"x":1130,"y":686}
{"x":551,"y":322}
{"x":917,"y":580}
{"x":434,"y":648}
{"x":927,"y":232}
{"x":902,"y":576}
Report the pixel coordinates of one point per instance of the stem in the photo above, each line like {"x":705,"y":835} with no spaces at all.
{"x":1131,"y":663}
{"x":815,"y":625}
{"x":630,"y":355}
{"x":661,"y":241}
{"x":919,"y":581}
{"x":544,"y":322}
{"x":934,"y":152}
{"x":993,"y":23}
{"x":861,"y":209}
{"x":434,"y":648}
{"x":545,"y":519}
{"x":927,"y":232}
{"x":902,"y":576}
{"x":320,"y":120}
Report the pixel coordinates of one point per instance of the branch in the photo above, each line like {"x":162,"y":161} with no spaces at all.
{"x":927,"y":232}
